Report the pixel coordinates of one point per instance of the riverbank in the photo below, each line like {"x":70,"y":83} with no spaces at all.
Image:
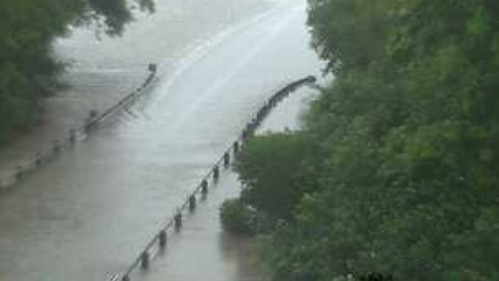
{"x":104,"y":71}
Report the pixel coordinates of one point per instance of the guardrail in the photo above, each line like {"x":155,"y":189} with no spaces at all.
{"x":158,"y":243}
{"x":20,"y":172}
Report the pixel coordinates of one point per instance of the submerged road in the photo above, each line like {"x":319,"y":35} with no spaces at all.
{"x":201,"y":250}
{"x":87,"y":214}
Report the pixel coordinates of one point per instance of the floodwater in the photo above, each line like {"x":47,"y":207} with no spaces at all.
{"x":202,"y":250}
{"x":103,"y":71}
{"x":87,"y":214}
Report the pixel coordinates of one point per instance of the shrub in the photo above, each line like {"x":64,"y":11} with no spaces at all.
{"x":237,"y":217}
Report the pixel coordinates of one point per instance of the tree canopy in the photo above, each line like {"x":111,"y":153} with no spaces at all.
{"x":405,"y":182}
{"x":28,"y":69}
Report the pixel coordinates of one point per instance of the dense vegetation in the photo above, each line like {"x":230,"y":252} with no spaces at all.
{"x":401,"y":177}
{"x":28,"y":69}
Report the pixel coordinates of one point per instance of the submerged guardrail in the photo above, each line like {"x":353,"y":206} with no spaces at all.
{"x":21,"y":171}
{"x":159,"y":241}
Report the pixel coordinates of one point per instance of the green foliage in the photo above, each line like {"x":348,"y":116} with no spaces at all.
{"x":269,"y":168}
{"x":28,"y":69}
{"x":408,"y":133}
{"x":237,"y":217}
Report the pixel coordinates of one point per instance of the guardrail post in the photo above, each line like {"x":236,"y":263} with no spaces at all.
{"x":245,"y":135}
{"x":162,"y":239}
{"x":216,"y":173}
{"x":235,"y":147}
{"x":251,"y":127}
{"x":273,"y":101}
{"x":72,"y":136}
{"x":92,"y":114}
{"x":144,"y":260}
{"x":57,"y":147}
{"x":204,"y":187}
{"x":19,"y":173}
{"x":38,"y":159}
{"x":86,"y":127}
{"x":226,"y":159}
{"x":192,"y":202}
{"x":311,"y":79}
{"x":152,"y":67}
{"x":178,"y":220}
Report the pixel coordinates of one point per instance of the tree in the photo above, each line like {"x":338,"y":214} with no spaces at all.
{"x":271,"y":170}
{"x":407,"y":134}
{"x":28,"y":69}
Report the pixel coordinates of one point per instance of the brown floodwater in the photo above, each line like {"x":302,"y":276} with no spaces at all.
{"x":87,"y":214}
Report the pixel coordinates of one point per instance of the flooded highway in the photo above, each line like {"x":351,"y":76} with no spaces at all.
{"x":86,"y":215}
{"x":201,"y":250}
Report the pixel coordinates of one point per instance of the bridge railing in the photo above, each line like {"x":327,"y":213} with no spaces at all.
{"x":159,"y":241}
{"x":20,"y":172}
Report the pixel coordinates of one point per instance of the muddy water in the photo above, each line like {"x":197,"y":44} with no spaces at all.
{"x":102,"y":71}
{"x":201,"y":250}
{"x":86,"y":215}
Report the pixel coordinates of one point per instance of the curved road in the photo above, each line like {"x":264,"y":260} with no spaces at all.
{"x":86,"y":215}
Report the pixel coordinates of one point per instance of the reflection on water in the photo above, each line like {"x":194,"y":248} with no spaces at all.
{"x":241,"y":251}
